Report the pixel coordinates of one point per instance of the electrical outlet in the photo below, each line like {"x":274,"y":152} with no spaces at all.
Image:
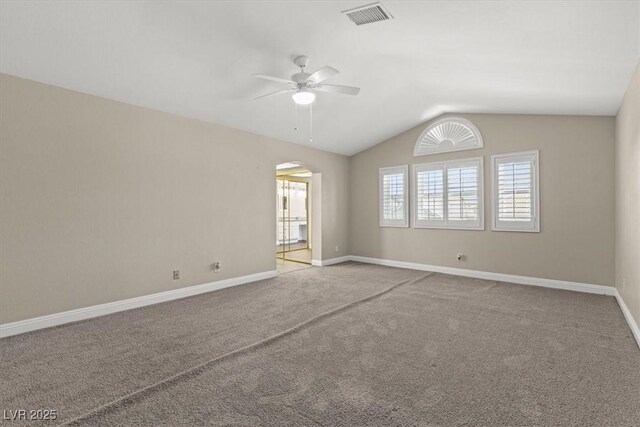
{"x":176,"y":274}
{"x":216,"y":266}
{"x":337,"y":249}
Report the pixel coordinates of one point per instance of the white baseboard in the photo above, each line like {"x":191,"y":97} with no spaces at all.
{"x":330,"y":261}
{"x":510,"y":278}
{"x":635,"y":330}
{"x":21,"y":326}
{"x":56,"y":319}
{"x":523,"y":280}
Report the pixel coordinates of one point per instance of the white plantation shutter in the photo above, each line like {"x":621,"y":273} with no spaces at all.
{"x":462,"y":193}
{"x":515,"y":201}
{"x":515,"y":194}
{"x":394,"y":188}
{"x":429,"y":199}
{"x":449,"y":194}
{"x":449,"y":134}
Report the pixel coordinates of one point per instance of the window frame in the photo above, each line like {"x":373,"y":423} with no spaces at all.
{"x":393,"y":170}
{"x":516,"y":226}
{"x":445,"y":165}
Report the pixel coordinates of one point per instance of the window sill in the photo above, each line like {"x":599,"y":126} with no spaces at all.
{"x":441,"y":227}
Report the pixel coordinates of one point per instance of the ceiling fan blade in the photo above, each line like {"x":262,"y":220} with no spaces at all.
{"x":276,"y":93}
{"x":272,"y":78}
{"x":322,"y":74}
{"x":347,"y":90}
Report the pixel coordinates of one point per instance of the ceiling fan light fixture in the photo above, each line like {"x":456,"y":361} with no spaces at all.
{"x":303,"y":97}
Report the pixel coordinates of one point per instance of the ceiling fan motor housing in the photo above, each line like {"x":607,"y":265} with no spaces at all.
{"x":301,"y":61}
{"x":300,"y":78}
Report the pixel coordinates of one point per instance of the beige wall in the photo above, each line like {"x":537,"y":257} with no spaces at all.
{"x":576,"y":242}
{"x":100,"y":200}
{"x":627,"y":155}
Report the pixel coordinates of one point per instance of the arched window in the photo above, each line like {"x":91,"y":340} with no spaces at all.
{"x":450,"y":134}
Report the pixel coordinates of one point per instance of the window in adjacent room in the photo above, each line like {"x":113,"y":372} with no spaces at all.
{"x":394,"y":188}
{"x":448,"y":194}
{"x":516,"y":199}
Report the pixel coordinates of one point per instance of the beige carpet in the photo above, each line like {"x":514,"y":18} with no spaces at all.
{"x":351,"y":344}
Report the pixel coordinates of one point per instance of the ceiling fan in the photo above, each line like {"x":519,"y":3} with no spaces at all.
{"x":304,"y":85}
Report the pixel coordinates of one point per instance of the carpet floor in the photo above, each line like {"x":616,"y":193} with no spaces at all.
{"x":351,"y":344}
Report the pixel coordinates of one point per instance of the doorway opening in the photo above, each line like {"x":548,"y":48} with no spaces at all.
{"x":293,"y":217}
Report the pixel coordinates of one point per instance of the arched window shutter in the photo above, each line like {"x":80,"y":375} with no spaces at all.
{"x":450,"y":134}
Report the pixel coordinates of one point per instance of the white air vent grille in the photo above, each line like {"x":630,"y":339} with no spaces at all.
{"x":367,"y":14}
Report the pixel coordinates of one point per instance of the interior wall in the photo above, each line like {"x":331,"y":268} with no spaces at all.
{"x":576,"y":242}
{"x":101,"y":200}
{"x":316,"y":216}
{"x":627,"y":184}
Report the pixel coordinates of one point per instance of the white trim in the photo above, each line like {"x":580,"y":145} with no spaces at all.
{"x":635,"y":330}
{"x":522,"y":280}
{"x":330,"y":261}
{"x":56,"y":319}
{"x":527,"y":227}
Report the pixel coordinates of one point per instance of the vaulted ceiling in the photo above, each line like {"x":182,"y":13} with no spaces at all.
{"x":195,"y":59}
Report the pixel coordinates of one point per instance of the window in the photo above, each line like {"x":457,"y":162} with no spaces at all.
{"x":394,"y":211}
{"x":516,"y":198}
{"x":450,"y":134}
{"x":448,"y":194}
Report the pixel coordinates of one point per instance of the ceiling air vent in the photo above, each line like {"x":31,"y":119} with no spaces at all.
{"x":367,"y":14}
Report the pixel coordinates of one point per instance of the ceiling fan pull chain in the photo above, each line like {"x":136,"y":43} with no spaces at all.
{"x":295,"y":106}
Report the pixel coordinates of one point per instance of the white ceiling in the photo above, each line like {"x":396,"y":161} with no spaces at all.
{"x":195,"y":59}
